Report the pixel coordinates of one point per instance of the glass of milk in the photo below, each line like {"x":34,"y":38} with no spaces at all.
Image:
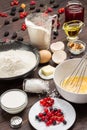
{"x":39,"y":29}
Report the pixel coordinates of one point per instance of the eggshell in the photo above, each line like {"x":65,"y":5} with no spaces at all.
{"x":57,"y":46}
{"x":45,"y":56}
{"x":59,"y":56}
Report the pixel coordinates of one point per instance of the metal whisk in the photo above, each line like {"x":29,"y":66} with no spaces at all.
{"x":79,"y":72}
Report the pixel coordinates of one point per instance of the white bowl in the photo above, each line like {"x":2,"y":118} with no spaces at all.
{"x":62,"y":71}
{"x":13,"y":101}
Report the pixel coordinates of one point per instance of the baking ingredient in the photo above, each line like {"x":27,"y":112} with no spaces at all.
{"x":47,"y":70}
{"x":39,"y":29}
{"x":50,"y":115}
{"x":68,"y":86}
{"x":55,"y":5}
{"x":35,"y":85}
{"x":33,"y":2}
{"x":12,"y":99}
{"x":16,"y":62}
{"x":20,"y":38}
{"x":61,"y":10}
{"x":21,"y":9}
{"x":13,"y":9}
{"x":6,"y":22}
{"x":14,"y":35}
{"x":38,"y":10}
{"x":55,"y":33}
{"x":12,"y":13}
{"x":45,"y":56}
{"x":6,"y":34}
{"x":76,"y":47}
{"x":52,"y":1}
{"x":23,"y":27}
{"x":16,"y":122}
{"x":23,"y":5}
{"x":2,"y":14}
{"x":15,"y":19}
{"x":59,"y":56}
{"x":47,"y":102}
{"x":57,"y":46}
{"x":41,"y":5}
{"x":14,"y":2}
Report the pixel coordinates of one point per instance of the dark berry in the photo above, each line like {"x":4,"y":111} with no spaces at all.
{"x":13,"y":9}
{"x":14,"y":35}
{"x":38,"y":10}
{"x":32,"y":7}
{"x":58,"y":15}
{"x":15,"y":19}
{"x":55,"y":33}
{"x":52,"y":1}
{"x":54,"y":122}
{"x":20,"y":39}
{"x":41,"y":5}
{"x":6,"y":22}
{"x":50,"y":108}
{"x":12,"y":13}
{"x":53,"y":21}
{"x":36,"y":117}
{"x":55,"y":109}
{"x":55,"y":5}
{"x":44,"y":113}
{"x":21,"y":9}
{"x":61,"y":113}
{"x":39,"y":119}
{"x":64,"y":122}
{"x":6,"y":34}
{"x":54,"y":37}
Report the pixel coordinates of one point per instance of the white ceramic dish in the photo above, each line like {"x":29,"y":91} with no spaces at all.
{"x":45,"y":77}
{"x":13,"y":101}
{"x":57,"y":46}
{"x":59,"y":56}
{"x":67,"y":109}
{"x":61,"y":72}
{"x":76,"y":43}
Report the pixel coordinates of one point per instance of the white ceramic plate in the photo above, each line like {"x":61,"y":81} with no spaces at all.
{"x":45,"y":77}
{"x":68,"y":110}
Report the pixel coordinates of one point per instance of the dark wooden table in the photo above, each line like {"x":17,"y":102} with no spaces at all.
{"x":81,"y":109}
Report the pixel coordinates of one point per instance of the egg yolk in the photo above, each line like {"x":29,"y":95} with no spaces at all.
{"x":75,"y":84}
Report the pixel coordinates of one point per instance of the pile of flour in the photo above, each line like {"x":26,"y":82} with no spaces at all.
{"x":16,"y":62}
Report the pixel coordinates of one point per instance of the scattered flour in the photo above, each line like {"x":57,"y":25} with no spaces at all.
{"x":16,"y":62}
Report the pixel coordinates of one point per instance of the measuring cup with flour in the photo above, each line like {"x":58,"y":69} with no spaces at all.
{"x":39,"y":29}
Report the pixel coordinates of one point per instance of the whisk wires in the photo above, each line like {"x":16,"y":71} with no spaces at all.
{"x":74,"y":81}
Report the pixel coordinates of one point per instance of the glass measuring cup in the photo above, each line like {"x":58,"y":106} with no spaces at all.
{"x":39,"y":27}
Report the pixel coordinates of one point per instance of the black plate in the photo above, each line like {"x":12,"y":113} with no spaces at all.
{"x":20,"y":46}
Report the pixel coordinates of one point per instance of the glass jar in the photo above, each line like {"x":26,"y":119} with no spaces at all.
{"x":74,"y":10}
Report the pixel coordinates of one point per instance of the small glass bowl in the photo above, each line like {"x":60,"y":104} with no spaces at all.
{"x":76,"y":47}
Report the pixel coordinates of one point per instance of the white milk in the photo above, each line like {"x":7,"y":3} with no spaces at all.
{"x":39,"y":35}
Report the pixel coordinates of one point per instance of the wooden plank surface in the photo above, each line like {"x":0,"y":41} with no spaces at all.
{"x":81,"y":110}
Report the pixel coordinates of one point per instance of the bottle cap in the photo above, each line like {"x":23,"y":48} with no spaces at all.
{"x":16,"y":122}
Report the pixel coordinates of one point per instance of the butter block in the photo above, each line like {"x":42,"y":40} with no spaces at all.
{"x":47,"y":70}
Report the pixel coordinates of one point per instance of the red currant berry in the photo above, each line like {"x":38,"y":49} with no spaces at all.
{"x":32,"y":2}
{"x":12,"y":3}
{"x":50,"y":9}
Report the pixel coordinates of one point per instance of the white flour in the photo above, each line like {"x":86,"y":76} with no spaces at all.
{"x":16,"y":62}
